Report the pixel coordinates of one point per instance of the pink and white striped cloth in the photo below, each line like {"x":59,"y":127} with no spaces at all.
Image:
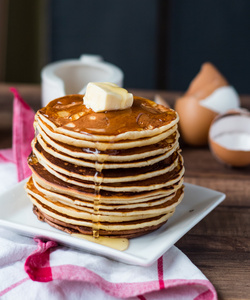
{"x":35,"y":269}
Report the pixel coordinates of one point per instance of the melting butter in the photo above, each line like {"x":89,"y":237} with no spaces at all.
{"x":120,"y":244}
{"x":106,"y":96}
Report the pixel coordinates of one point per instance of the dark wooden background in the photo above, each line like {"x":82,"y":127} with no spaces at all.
{"x":158,"y":44}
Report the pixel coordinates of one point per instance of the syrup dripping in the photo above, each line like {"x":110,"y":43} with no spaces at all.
{"x":120,"y":244}
{"x":98,"y":178}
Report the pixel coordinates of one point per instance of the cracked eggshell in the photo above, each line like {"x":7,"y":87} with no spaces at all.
{"x":229,"y":138}
{"x":194,"y":121}
{"x":208,"y":95}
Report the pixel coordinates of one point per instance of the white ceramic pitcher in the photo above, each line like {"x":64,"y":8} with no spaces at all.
{"x":72,"y":76}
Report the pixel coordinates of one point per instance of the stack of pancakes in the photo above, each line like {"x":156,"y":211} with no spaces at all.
{"x":113,"y":173}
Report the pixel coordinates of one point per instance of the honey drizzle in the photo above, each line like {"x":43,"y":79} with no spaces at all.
{"x":98,"y":178}
{"x":144,"y":114}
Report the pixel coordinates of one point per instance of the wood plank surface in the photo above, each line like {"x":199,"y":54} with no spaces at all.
{"x":219,"y":245}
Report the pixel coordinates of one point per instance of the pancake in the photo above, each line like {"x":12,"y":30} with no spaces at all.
{"x":123,"y":155}
{"x":54,"y":180}
{"x":107,"y":198}
{"x":71,"y":228}
{"x":103,"y":146}
{"x":108,"y":165}
{"x":58,"y":166}
{"x":107,"y":207}
{"x":106,"y":215}
{"x":70,"y":117}
{"x":113,"y":173}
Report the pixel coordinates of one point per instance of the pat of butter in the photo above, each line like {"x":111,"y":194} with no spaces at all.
{"x":102,"y":96}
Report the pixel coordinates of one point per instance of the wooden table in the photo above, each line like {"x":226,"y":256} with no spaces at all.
{"x":220,"y":244}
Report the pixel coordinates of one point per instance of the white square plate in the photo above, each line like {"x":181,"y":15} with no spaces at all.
{"x":16,"y":214}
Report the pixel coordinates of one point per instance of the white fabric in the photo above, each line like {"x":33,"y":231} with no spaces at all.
{"x":8,"y":177}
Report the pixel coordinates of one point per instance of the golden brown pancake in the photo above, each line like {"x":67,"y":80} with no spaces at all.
{"x":70,"y":117}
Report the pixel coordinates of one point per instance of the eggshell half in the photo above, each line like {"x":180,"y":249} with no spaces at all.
{"x":208,"y":94}
{"x":194,"y":121}
{"x":229,"y":138}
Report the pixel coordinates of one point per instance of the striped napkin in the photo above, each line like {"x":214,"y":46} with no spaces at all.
{"x":36,"y":269}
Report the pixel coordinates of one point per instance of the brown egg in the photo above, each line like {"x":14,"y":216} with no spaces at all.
{"x":208,"y":94}
{"x":229,"y":138}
